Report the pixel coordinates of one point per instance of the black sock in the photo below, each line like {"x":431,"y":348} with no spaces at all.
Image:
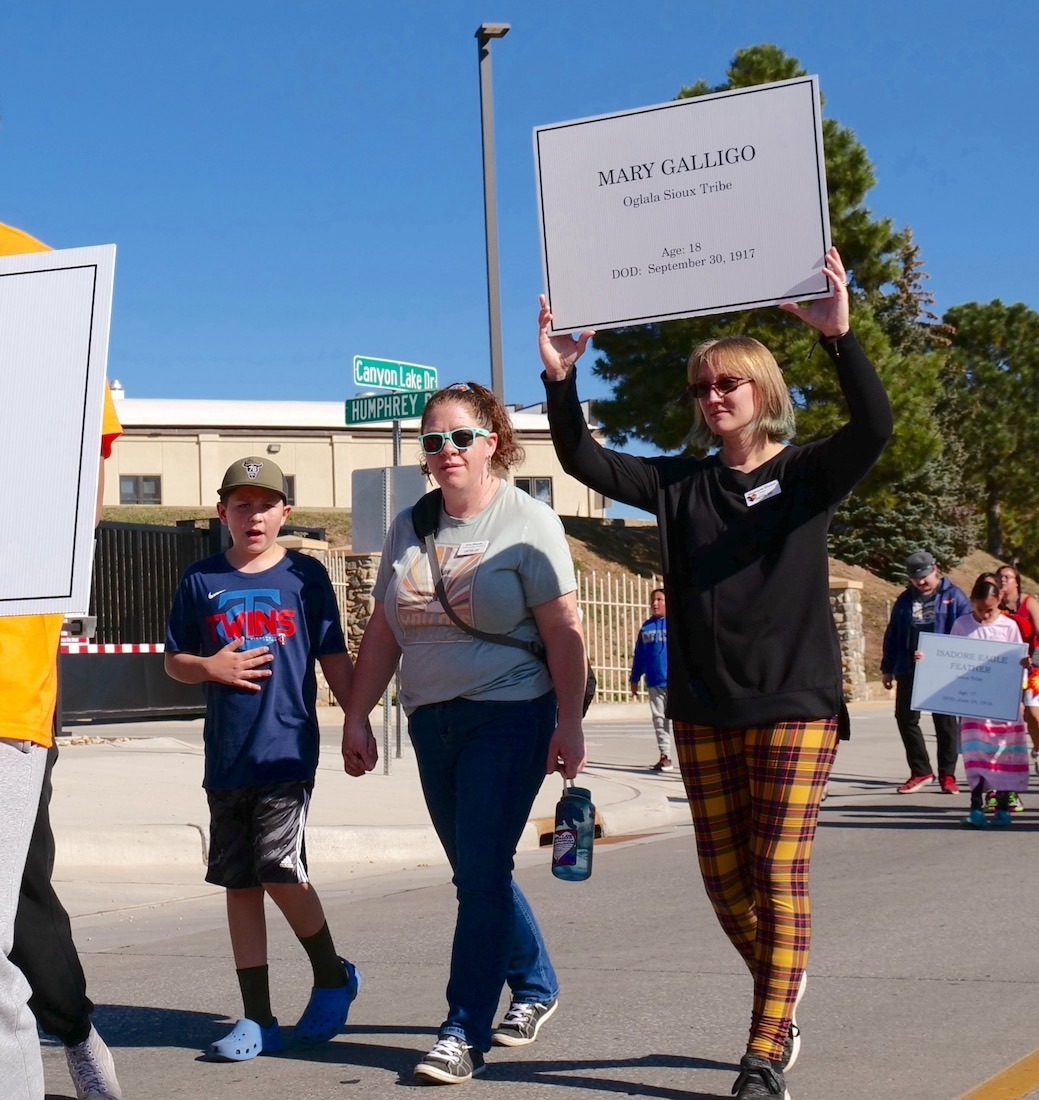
{"x":79,"y":1035}
{"x":256,"y":994}
{"x":328,"y":970}
{"x":977,"y":795}
{"x":1003,"y":800}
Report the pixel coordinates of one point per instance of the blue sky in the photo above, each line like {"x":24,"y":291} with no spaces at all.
{"x":291,"y":184}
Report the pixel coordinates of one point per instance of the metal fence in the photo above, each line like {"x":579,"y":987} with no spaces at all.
{"x":136,"y":570}
{"x":613,"y":607}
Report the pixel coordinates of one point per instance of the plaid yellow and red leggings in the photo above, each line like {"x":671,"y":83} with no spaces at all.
{"x":754,"y":794}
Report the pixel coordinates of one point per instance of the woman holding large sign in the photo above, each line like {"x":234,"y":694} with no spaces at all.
{"x":754,"y":668}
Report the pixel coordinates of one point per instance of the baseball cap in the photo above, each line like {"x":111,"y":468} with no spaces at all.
{"x":253,"y":472}
{"x":919,"y":565}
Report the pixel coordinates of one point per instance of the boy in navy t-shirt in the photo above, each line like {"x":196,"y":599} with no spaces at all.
{"x":248,"y":624}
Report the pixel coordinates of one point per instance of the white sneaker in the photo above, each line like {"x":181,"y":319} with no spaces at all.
{"x":792,"y":1046}
{"x":92,"y":1069}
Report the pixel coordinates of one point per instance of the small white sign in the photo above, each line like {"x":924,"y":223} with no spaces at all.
{"x":55,"y":312}
{"x":698,"y":206}
{"x":968,"y":677}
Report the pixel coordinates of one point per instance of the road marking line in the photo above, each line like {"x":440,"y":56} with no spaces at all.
{"x":1012,"y":1083}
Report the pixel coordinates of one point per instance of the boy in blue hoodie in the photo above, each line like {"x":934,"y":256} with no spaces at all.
{"x":651,"y":661}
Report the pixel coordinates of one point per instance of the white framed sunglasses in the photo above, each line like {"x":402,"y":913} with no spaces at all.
{"x":432,"y":443}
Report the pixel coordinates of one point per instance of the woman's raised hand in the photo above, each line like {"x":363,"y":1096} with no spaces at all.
{"x":828,"y":315}
{"x":558,"y":353}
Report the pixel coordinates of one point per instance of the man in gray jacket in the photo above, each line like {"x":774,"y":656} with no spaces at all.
{"x":930,"y":604}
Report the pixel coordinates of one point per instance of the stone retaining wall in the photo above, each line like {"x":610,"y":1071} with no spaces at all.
{"x":846,"y":605}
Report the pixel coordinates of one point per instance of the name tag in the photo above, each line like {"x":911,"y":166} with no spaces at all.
{"x":467,"y":549}
{"x":762,"y":492}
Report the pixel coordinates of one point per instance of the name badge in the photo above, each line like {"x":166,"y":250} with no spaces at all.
{"x":467,"y":549}
{"x":762,"y":492}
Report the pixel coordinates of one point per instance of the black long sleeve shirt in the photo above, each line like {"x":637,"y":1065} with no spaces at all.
{"x":751,"y":636}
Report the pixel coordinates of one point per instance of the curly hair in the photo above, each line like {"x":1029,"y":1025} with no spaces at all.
{"x":487,"y":412}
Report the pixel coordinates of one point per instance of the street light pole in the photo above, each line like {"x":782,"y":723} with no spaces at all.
{"x":484,"y":34}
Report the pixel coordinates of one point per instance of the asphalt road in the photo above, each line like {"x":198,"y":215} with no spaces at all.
{"x":924,"y":977}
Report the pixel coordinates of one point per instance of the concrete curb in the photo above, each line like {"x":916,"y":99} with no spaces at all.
{"x":148,"y":845}
{"x":187,"y":845}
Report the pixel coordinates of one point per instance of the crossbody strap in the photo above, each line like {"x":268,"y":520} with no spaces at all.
{"x":535,"y":649}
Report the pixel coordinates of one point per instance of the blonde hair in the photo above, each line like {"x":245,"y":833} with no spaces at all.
{"x":487,"y":412}
{"x":743,"y":357}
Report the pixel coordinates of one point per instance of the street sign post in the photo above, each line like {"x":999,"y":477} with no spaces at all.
{"x":386,"y":406}
{"x":385,"y":374}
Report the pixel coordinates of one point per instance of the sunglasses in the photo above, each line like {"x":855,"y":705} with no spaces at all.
{"x":721,"y":386}
{"x":462,"y":439}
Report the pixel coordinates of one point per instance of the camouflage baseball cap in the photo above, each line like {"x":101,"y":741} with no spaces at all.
{"x":253,"y":472}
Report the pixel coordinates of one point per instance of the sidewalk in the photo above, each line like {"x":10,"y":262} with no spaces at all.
{"x":128,"y":796}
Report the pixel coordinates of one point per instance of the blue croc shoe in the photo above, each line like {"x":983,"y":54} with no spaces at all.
{"x":326,"y":1012}
{"x":246,"y":1040}
{"x":976,"y":819}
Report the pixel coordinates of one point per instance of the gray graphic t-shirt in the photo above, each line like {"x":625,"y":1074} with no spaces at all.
{"x":496,"y":566}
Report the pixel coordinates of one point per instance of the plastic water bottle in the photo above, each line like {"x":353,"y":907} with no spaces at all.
{"x":574,"y":834}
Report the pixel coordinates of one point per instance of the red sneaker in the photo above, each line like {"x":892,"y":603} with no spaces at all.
{"x":949,"y":785}
{"x":915,"y":782}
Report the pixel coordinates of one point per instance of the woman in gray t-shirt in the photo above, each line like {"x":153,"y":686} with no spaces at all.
{"x":488,"y":721}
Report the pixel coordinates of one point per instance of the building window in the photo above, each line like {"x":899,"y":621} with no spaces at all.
{"x":140,"y":489}
{"x":290,"y":489}
{"x":540,"y":488}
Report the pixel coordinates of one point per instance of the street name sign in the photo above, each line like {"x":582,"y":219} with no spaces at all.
{"x":385,"y":374}
{"x":386,"y":406}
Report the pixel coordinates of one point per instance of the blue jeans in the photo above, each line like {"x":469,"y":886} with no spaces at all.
{"x":481,"y":765}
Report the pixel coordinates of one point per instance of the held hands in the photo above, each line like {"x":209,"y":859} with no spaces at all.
{"x":360,"y":753}
{"x":829,"y":315}
{"x":239,"y":668}
{"x":558,"y":353}
{"x":566,"y":750}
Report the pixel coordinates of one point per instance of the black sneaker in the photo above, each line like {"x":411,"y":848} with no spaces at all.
{"x":522,"y":1023}
{"x":759,"y":1079}
{"x":664,"y":765}
{"x":450,"y":1062}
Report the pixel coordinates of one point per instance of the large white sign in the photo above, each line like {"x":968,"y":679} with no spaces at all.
{"x":55,"y":311}
{"x":968,"y":677}
{"x":698,"y":206}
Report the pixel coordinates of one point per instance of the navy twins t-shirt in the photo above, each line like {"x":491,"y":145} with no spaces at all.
{"x":269,"y":736}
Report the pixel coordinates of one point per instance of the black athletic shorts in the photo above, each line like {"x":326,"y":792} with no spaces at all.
{"x":256,"y":835}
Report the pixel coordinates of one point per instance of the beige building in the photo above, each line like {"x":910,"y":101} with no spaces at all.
{"x":174,"y":452}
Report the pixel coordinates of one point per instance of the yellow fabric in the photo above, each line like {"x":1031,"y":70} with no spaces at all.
{"x":13,"y":242}
{"x":111,"y":429}
{"x":29,"y":676}
{"x":29,"y":643}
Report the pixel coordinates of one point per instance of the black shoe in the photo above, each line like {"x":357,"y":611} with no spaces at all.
{"x":759,"y":1079}
{"x":664,"y":765}
{"x":450,"y":1062}
{"x":522,"y":1023}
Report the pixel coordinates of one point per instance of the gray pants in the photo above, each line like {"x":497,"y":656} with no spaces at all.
{"x":21,"y":778}
{"x":661,"y":726}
